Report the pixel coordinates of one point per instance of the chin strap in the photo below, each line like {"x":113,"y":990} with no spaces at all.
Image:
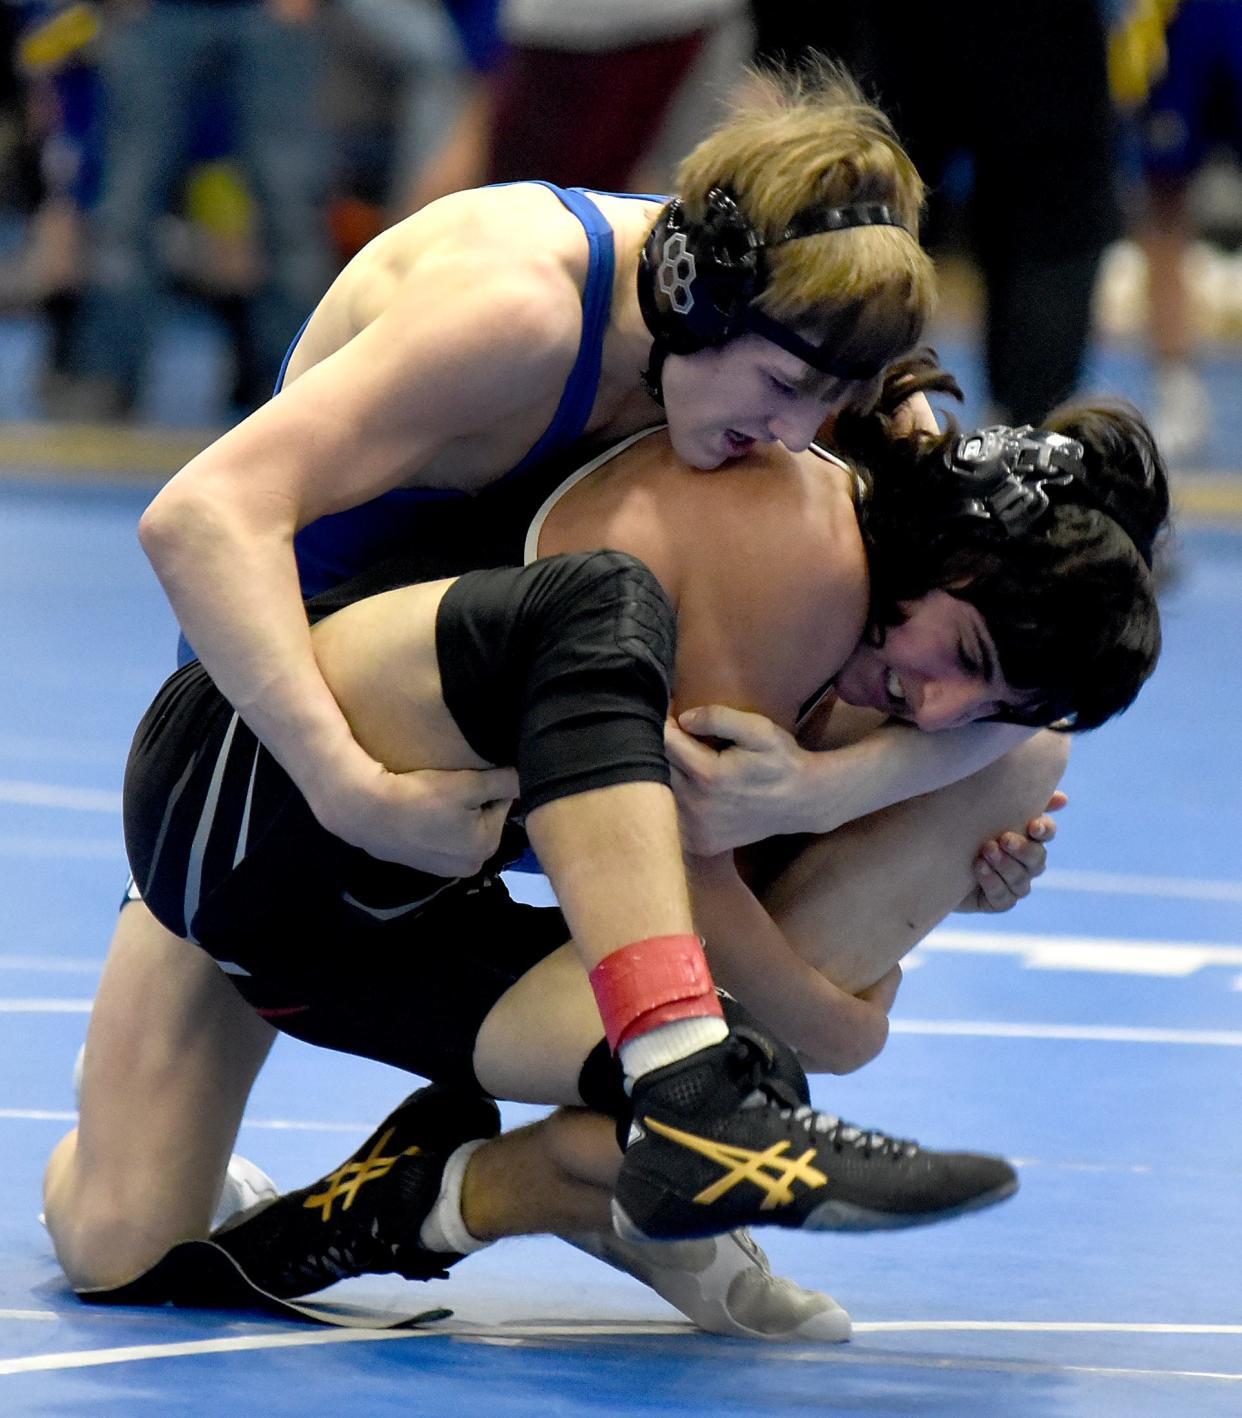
{"x":653,"y":376}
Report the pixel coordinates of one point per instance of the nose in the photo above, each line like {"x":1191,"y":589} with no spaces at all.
{"x":943,"y":703}
{"x":796,"y":427}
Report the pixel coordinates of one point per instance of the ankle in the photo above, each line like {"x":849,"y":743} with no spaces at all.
{"x":658,"y":1002}
{"x":668,"y":1044}
{"x":445,"y":1228}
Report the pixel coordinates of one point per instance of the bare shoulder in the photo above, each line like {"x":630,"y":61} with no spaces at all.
{"x":450,"y":337}
{"x":492,"y":271}
{"x":437,"y":358}
{"x":776,"y":577}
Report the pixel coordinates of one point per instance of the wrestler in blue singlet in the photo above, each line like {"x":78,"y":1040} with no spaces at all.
{"x":336,"y":547}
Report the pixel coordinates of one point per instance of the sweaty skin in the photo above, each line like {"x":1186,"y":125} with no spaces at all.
{"x":768,"y":574}
{"x":436,"y":359}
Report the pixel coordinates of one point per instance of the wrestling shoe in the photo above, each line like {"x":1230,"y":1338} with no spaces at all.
{"x":718,"y":1142}
{"x":725,"y":1285}
{"x":364,"y":1218}
{"x":246,"y":1187}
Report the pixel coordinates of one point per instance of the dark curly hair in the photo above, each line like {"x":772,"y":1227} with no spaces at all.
{"x":1071,"y":606}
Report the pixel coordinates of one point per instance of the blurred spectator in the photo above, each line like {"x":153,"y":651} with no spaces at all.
{"x":254,"y":65}
{"x":59,"y":107}
{"x":1020,"y":93}
{"x":458,"y":159}
{"x":601,"y":93}
{"x":403,"y":90}
{"x":582,"y":91}
{"x":1196,"y":105}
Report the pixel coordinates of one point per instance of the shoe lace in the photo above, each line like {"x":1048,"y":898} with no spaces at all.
{"x":753,"y":1062}
{"x":366,"y":1254}
{"x":362,"y":1253}
{"x":842,"y":1135}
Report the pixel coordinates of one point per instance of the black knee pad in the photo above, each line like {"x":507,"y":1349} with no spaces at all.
{"x":601,"y":1086}
{"x":562,"y":668}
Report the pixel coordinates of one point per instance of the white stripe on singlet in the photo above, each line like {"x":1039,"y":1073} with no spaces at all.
{"x":198,"y":847}
{"x":531,"y":550}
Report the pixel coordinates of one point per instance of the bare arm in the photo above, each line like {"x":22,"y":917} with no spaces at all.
{"x":220,"y":535}
{"x":762,"y":783}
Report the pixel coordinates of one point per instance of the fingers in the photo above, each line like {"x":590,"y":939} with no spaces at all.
{"x":463,"y":788}
{"x":686,"y":753}
{"x":1042,"y":828}
{"x":1006,"y":868}
{"x":718,"y":721}
{"x":495,"y":785}
{"x":994,"y":891}
{"x":475,"y":839}
{"x":490,"y":822}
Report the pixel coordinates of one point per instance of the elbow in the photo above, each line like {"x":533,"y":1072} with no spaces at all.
{"x":192,"y":521}
{"x":164,"y":527}
{"x":866,"y":1044}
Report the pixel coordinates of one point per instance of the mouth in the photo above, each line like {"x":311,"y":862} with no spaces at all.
{"x":894,"y":693}
{"x":737,"y":444}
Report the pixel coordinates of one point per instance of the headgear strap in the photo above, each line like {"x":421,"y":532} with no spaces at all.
{"x":698,"y":278}
{"x":812,"y":221}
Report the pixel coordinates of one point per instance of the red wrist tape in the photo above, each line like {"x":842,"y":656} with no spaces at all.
{"x":653,"y":982}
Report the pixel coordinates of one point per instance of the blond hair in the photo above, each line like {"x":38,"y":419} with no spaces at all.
{"x":795,"y":140}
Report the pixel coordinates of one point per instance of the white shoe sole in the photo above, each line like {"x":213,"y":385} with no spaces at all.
{"x":725,"y":1285}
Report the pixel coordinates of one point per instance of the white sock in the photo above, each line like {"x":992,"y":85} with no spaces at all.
{"x":443,"y":1228}
{"x":667,"y":1043}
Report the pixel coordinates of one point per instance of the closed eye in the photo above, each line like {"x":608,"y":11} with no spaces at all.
{"x":978,"y":661}
{"x":782,"y":386}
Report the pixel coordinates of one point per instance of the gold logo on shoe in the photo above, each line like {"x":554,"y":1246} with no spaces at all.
{"x":770,"y":1170}
{"x":350,"y":1176}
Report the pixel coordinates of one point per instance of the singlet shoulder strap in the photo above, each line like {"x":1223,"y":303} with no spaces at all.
{"x":578,"y":398}
{"x":530,"y":550}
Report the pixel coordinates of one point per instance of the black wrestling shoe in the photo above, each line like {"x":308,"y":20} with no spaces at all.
{"x":364,"y":1218}
{"x":719,"y":1141}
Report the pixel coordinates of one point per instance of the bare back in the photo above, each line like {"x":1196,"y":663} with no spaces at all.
{"x":763,"y":559}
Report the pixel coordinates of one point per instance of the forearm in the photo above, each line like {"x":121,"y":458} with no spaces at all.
{"x":232,"y":583}
{"x":890,"y":765}
{"x":831,"y":1030}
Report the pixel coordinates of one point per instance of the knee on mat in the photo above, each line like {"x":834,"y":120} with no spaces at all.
{"x":106,"y":1236}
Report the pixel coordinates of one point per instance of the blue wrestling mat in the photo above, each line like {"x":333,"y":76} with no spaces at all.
{"x":1094,"y":1035}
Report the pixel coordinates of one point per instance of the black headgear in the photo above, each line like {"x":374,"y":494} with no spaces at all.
{"x":698,"y":279}
{"x":1005,"y":474}
{"x":1011,"y":476}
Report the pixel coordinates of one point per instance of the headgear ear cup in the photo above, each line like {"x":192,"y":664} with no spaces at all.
{"x":696,"y":278}
{"x":1004,"y":475}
